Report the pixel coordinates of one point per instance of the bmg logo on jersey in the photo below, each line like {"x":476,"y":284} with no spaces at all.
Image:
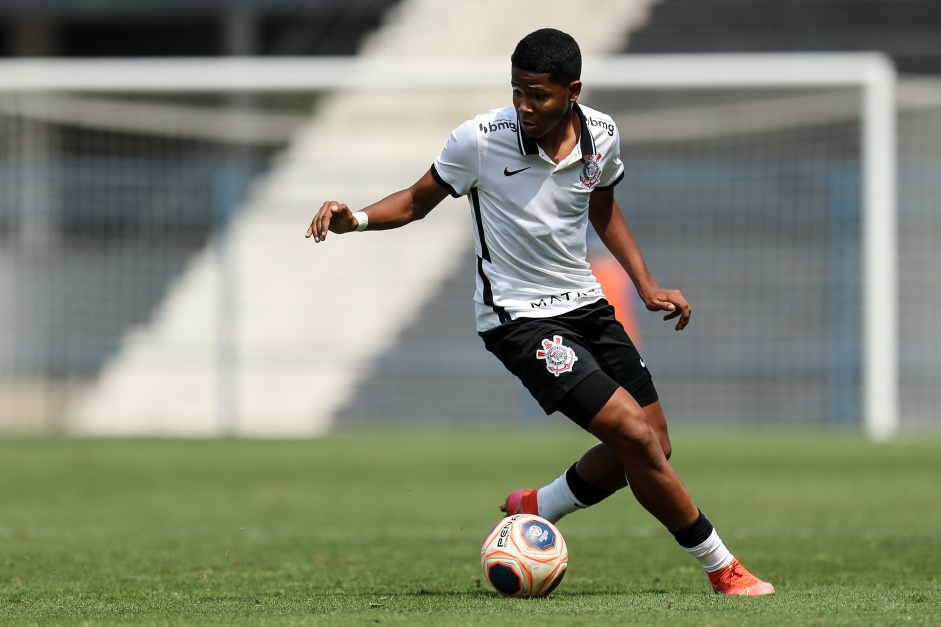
{"x":608,"y":126}
{"x":497,"y":125}
{"x":559,"y":357}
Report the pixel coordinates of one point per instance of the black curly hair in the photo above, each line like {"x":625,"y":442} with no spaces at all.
{"x":549,"y":51}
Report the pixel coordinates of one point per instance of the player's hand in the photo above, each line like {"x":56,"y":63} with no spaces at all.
{"x":333,"y":216}
{"x":673,"y":302}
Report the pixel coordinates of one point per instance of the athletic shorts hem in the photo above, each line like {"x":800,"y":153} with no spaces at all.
{"x":586,"y":399}
{"x":551,"y":402}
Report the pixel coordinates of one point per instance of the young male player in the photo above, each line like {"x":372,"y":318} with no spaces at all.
{"x":535,"y":173}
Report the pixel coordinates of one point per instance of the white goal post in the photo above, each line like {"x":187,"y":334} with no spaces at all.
{"x":871,"y":73}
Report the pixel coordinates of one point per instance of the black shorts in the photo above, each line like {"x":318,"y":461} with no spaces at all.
{"x":573,"y":362}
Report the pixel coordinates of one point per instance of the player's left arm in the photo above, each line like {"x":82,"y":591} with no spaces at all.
{"x":612,"y":228}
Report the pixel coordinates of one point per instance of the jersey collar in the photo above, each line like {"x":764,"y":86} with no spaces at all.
{"x":528,"y":146}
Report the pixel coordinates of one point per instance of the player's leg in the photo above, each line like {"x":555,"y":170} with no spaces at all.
{"x":600,"y":467}
{"x":594,"y":477}
{"x":623,"y":426}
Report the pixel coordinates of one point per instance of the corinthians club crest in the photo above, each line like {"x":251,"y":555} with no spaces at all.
{"x":559,"y":357}
{"x":591,"y":170}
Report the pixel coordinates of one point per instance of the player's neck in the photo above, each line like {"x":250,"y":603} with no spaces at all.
{"x":561,"y":141}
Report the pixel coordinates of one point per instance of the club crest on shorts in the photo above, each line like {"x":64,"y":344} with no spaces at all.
{"x":559,"y":357}
{"x":591,"y":170}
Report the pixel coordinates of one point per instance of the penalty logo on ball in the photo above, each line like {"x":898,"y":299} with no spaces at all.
{"x":559,"y":357}
{"x":538,"y":536}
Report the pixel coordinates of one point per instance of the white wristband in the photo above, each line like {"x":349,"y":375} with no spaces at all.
{"x":362,"y":219}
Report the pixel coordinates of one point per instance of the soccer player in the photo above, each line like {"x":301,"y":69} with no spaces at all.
{"x":535,"y":173}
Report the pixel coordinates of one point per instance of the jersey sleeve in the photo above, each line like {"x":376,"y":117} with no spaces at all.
{"x":612,"y":167}
{"x":457,"y":168}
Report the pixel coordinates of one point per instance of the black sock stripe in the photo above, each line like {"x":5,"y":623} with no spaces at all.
{"x":586,"y":493}
{"x":695,"y":534}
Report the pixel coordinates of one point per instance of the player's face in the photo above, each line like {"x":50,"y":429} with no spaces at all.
{"x":540,"y":103}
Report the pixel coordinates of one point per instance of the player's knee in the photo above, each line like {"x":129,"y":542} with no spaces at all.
{"x":625,"y":430}
{"x":659,"y":423}
{"x":666,"y":446}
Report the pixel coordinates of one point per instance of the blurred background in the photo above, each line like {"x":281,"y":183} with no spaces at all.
{"x":154,"y":278}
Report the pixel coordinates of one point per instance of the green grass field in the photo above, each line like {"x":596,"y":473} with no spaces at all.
{"x":385,"y":528}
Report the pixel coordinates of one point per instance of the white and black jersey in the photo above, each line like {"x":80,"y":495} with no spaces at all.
{"x":530,"y":214}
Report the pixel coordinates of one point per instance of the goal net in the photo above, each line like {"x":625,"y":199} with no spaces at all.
{"x":153,"y":270}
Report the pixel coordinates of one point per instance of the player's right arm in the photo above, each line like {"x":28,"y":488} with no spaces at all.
{"x":393,"y":211}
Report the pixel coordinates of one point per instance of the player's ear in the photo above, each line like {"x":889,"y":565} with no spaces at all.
{"x":575,"y":90}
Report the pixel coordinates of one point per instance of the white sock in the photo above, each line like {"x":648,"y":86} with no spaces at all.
{"x":712,"y":553}
{"x":556,"y":500}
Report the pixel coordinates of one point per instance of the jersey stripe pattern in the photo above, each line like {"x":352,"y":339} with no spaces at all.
{"x":530,"y":214}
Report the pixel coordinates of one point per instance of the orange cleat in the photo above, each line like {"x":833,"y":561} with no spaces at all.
{"x":521,"y":502}
{"x":735,"y":580}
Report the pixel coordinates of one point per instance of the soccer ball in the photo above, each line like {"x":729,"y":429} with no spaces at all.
{"x":524,"y":556}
